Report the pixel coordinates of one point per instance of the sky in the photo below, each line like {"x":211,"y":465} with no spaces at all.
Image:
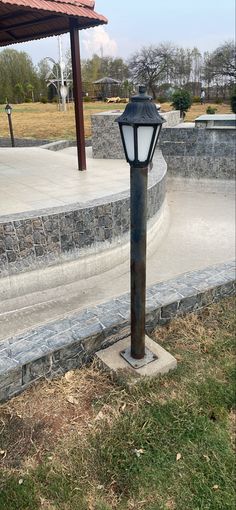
{"x":134,"y":23}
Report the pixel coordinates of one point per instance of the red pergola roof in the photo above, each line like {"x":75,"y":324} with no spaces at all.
{"x":25,"y":20}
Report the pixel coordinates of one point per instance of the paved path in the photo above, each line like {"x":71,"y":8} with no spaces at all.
{"x":35,"y":178}
{"x":201,"y":233}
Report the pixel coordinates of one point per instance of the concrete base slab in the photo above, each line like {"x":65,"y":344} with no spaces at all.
{"x":110,"y":360}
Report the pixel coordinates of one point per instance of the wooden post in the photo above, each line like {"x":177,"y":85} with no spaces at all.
{"x":78,"y":93}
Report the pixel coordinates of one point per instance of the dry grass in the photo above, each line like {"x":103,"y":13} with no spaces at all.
{"x":32,"y":422}
{"x":197,"y":109}
{"x":232,"y":427}
{"x":45,"y":122}
{"x":72,"y":441}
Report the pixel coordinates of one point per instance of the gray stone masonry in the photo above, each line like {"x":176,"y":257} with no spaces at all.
{"x":106,"y":140}
{"x":63,"y":144}
{"x":57,"y":145}
{"x":199,"y":153}
{"x":226,"y":121}
{"x":23,"y":142}
{"x":54,"y":348}
{"x":189,"y":152}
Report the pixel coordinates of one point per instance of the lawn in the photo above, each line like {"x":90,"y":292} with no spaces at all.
{"x":44,"y":121}
{"x":84,"y":443}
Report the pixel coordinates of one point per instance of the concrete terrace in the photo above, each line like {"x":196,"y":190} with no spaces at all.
{"x":36,"y":178}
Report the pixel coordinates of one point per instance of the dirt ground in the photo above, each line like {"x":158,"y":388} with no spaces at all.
{"x":44,"y":121}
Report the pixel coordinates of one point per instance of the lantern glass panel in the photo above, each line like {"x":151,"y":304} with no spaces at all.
{"x":128,"y":133}
{"x":145,"y":134}
{"x":155,"y":141}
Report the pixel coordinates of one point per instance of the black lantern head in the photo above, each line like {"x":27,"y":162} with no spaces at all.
{"x":140,"y":127}
{"x":8,"y":109}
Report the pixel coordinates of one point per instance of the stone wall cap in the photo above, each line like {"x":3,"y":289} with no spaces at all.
{"x":226,"y":116}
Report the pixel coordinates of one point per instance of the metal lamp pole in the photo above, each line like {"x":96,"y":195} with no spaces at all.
{"x":138,"y":239}
{"x":140,"y":127}
{"x":8,"y":110}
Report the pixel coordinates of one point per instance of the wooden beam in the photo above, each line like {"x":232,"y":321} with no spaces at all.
{"x":14,"y":14}
{"x":30,"y":23}
{"x":37,"y":36}
{"x":11,"y":35}
{"x":78,"y":93}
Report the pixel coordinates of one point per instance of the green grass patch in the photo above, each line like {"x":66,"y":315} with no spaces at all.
{"x":164,"y":444}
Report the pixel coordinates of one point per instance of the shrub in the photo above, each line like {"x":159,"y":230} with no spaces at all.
{"x":182,"y":100}
{"x":87,"y":99}
{"x":210,"y":110}
{"x":218,"y":100}
{"x":233,"y":100}
{"x":196,"y":99}
{"x":43,"y":100}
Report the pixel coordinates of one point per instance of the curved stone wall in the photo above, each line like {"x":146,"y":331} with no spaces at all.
{"x":42,"y":238}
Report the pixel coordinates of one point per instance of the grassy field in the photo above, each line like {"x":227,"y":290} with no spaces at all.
{"x":84,"y":443}
{"x":45,"y":122}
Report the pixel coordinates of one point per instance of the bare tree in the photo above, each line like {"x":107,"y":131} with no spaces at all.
{"x":196,"y":70}
{"x":151,"y":66}
{"x":219,"y":69}
{"x":207,"y":72}
{"x":182,"y":67}
{"x":223,"y":60}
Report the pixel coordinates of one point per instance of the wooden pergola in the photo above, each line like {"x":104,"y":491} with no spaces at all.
{"x":27,"y":20}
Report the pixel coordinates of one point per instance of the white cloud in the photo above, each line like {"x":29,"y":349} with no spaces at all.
{"x":97,"y":40}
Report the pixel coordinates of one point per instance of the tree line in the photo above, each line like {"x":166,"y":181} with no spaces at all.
{"x":163,"y":68}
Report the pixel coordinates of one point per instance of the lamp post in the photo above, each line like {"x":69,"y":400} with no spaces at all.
{"x":140,"y":126}
{"x":63,"y":88}
{"x":8,"y":110}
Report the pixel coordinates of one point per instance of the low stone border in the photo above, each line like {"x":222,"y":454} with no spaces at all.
{"x":22,"y":142}
{"x":42,"y":238}
{"x":66,"y":344}
{"x":63,"y":144}
{"x":58,"y":145}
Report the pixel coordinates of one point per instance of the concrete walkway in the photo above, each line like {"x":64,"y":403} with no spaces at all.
{"x":201,"y":232}
{"x":36,"y":178}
